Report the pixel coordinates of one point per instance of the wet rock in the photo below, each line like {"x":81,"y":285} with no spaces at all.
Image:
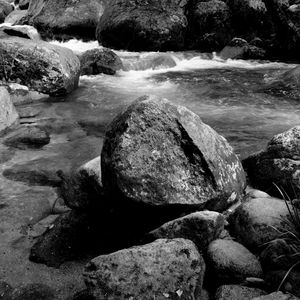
{"x":158,"y":270}
{"x":277,"y":164}
{"x":200,"y":227}
{"x":83,"y":188}
{"x":28,"y":111}
{"x":258,"y":221}
{"x":290,"y":285}
{"x":67,"y":19}
{"x":41,"y":66}
{"x":231,"y":262}
{"x":237,"y":292}
{"x":34,"y":291}
{"x":28,"y":137}
{"x":5,"y":10}
{"x":23,"y":31}
{"x":100,"y":60}
{"x":142,"y":25}
{"x":209,"y":25}
{"x":5,"y":291}
{"x":15,"y":16}
{"x":8,"y":113}
{"x":157,"y":155}
{"x":277,"y":296}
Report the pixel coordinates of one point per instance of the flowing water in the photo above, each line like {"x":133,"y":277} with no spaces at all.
{"x":227,"y":95}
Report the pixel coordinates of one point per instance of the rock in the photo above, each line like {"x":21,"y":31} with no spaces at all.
{"x":258,"y":221}
{"x":143,"y":25}
{"x":157,"y":155}
{"x":277,"y":164}
{"x":83,"y":189}
{"x":276,"y":296}
{"x":290,"y":285}
{"x":154,"y":61}
{"x":24,"y":4}
{"x":82,"y":295}
{"x":28,"y":111}
{"x":254,"y":193}
{"x":209,"y":25}
{"x":100,"y":60}
{"x":5,"y":291}
{"x":231,"y":262}
{"x":158,"y":270}
{"x":41,"y":66}
{"x":34,"y":291}
{"x":15,"y":16}
{"x":28,"y":137}
{"x":278,"y":254}
{"x":200,"y":227}
{"x":23,"y":31}
{"x":5,"y":10}
{"x":8,"y":113}
{"x":68,"y":19}
{"x":237,"y":292}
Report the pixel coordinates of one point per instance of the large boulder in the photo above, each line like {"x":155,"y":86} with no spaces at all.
{"x":41,"y":66}
{"x":157,"y":155}
{"x":100,"y":60}
{"x":258,"y":221}
{"x":278,"y":164}
{"x":209,"y":25}
{"x":143,"y":25}
{"x":8,"y":113}
{"x":61,"y":19}
{"x":276,"y":296}
{"x":5,"y":9}
{"x":160,"y":270}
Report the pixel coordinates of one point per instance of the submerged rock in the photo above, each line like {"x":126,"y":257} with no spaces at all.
{"x":143,"y":25}
{"x":100,"y":60}
{"x":159,"y":155}
{"x":231,"y":262}
{"x":41,"y":66}
{"x":237,"y":292}
{"x":277,"y":164}
{"x":64,"y":19}
{"x":8,"y":113}
{"x":162,"y":269}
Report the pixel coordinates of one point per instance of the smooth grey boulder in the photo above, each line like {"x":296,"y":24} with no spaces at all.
{"x":162,"y":269}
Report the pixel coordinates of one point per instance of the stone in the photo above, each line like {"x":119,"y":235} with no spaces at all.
{"x":209,"y":25}
{"x":23,"y":31}
{"x":258,"y":221}
{"x":28,"y":111}
{"x":5,"y":9}
{"x":231,"y":262}
{"x":157,"y":155}
{"x":277,"y":165}
{"x":41,"y":66}
{"x":276,"y":296}
{"x":64,"y":20}
{"x":27,"y":137}
{"x":157,"y":270}
{"x":143,"y":25}
{"x":83,"y":188}
{"x":8,"y":113}
{"x":237,"y":292}
{"x":5,"y":290}
{"x":34,"y":291}
{"x":200,"y":227}
{"x":100,"y":60}
{"x":24,"y":4}
{"x":15,"y":16}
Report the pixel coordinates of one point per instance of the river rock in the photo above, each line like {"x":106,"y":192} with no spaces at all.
{"x":33,"y":291}
{"x":56,"y":19}
{"x":5,"y":9}
{"x":83,"y":188}
{"x":209,"y":25}
{"x":23,"y":31}
{"x":156,"y":25}
{"x":200,"y":227}
{"x":276,"y":296}
{"x":100,"y":60}
{"x":277,"y":164}
{"x":231,"y":262}
{"x":162,"y":269}
{"x":41,"y":66}
{"x":8,"y":113}
{"x":237,"y":292}
{"x":28,"y":137}
{"x":258,"y":221}
{"x":157,"y":155}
